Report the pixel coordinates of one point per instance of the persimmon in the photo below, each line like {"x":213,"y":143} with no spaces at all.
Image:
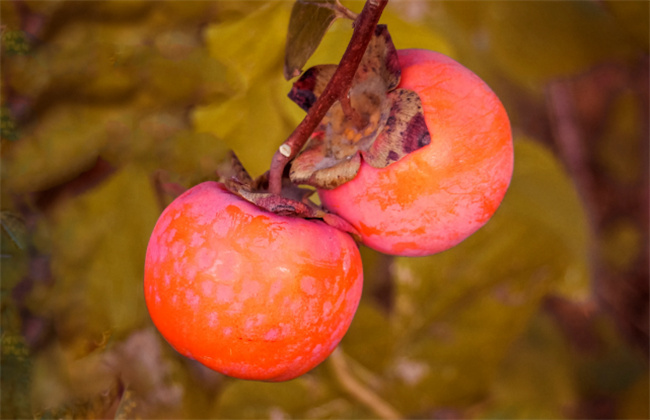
{"x":246,"y":292}
{"x":447,"y":187}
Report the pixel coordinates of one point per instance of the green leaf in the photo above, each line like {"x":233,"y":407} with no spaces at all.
{"x":310,"y":20}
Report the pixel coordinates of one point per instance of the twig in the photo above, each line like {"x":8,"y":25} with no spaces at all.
{"x":361,"y":393}
{"x":338,"y":87}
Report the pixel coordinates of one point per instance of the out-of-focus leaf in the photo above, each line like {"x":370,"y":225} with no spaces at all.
{"x":10,"y":15}
{"x":535,"y":380}
{"x":469,"y":16}
{"x":310,"y":20}
{"x":15,"y":356}
{"x":15,"y":380}
{"x":362,"y":341}
{"x":14,"y":42}
{"x":535,"y":41}
{"x":97,"y":243}
{"x":614,"y":367}
{"x":65,"y":142}
{"x":405,"y":34}
{"x":415,"y":34}
{"x":251,"y":47}
{"x":619,"y":149}
{"x":82,"y":61}
{"x":115,"y":11}
{"x":186,"y":80}
{"x":194,"y":155}
{"x":635,"y":402}
{"x":65,"y":385}
{"x":14,"y":226}
{"x":249,"y":124}
{"x":634,"y":18}
{"x":457,"y":312}
{"x":621,"y":244}
{"x":315,"y":395}
{"x":140,"y":365}
{"x":137,"y":134}
{"x":8,"y":129}
{"x":14,"y":265}
{"x":255,"y":400}
{"x":130,"y":379}
{"x":545,"y":198}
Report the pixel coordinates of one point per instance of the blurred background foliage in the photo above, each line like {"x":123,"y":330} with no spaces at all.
{"x":541,"y":314}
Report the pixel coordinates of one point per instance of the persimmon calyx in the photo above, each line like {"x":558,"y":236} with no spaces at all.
{"x":293,"y":201}
{"x":389,"y":121}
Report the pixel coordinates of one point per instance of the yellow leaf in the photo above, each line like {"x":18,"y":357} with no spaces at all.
{"x":253,"y":47}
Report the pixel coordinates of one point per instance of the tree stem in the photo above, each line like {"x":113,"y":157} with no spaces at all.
{"x":338,"y":87}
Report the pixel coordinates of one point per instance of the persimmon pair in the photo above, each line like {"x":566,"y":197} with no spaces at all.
{"x":259,"y":295}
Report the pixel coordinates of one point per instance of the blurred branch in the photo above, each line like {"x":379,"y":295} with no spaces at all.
{"x":357,"y":390}
{"x":568,"y":136}
{"x":88,"y":179}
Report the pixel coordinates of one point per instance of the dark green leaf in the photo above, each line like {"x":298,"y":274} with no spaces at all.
{"x":309,"y":22}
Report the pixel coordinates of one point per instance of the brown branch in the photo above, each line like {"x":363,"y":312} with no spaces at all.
{"x":338,"y":87}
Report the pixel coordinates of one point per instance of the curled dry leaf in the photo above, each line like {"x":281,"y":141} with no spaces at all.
{"x":386,"y":124}
{"x":294,"y":201}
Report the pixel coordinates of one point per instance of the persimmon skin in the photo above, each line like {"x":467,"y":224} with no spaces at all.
{"x":437,"y":196}
{"x":248,"y":293}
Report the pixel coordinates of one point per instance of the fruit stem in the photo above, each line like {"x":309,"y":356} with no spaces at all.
{"x":337,"y":88}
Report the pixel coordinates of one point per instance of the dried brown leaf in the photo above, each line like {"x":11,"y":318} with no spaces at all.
{"x":405,"y":130}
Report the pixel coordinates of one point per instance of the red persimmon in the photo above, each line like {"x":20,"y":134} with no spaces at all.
{"x":436,"y":196}
{"x":246,"y":292}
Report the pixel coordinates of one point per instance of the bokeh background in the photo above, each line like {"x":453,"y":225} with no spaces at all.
{"x":541,"y":314}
